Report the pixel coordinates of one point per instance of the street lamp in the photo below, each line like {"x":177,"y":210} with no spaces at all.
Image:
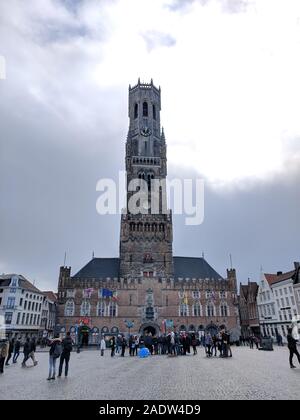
{"x":129,"y":324}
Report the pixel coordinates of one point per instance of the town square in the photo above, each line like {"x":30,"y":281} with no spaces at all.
{"x":249,"y":374}
{"x":149,"y":215}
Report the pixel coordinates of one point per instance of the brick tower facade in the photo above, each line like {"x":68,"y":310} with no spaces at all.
{"x":146,"y":228}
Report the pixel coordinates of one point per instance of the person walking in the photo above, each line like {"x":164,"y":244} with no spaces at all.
{"x":67,"y":347}
{"x":102,"y":345}
{"x":17,"y":350}
{"x":256,"y":342}
{"x":32,"y":351}
{"x":26,"y":351}
{"x":292,"y":346}
{"x":54,"y":353}
{"x":10,"y":351}
{"x":251,"y":341}
{"x":113,"y":346}
{"x":4,"y":347}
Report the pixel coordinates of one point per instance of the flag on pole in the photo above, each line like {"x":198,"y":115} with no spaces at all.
{"x":107,"y":293}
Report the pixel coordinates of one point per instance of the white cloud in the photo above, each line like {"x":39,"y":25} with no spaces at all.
{"x":230,"y":81}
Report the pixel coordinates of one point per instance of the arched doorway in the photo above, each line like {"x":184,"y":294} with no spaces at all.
{"x":212,"y":329}
{"x":149,"y":328}
{"x":84,"y":334}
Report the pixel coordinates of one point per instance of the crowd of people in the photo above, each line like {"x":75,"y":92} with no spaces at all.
{"x":166,"y":344}
{"x":171,"y":344}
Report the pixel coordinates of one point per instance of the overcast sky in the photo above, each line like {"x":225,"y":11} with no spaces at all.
{"x":229,"y":72}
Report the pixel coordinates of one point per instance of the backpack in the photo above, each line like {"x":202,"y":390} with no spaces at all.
{"x":57,"y":350}
{"x":68,"y":345}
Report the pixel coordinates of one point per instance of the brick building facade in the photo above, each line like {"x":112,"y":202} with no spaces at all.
{"x":248,"y":309}
{"x":146,"y":288}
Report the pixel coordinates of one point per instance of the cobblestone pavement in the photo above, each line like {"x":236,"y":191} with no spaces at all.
{"x":250,"y":374}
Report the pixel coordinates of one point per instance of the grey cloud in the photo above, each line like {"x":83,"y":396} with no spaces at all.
{"x":60,"y":134}
{"x":228,"y":6}
{"x":257,"y":222}
{"x":155,"y":39}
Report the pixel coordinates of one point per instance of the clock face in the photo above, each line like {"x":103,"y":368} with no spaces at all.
{"x":146,"y":132}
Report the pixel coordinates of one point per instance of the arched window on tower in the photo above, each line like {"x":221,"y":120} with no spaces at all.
{"x":69,"y":308}
{"x":183,"y":309}
{"x":196,"y":309}
{"x":85,"y":309}
{"x":223,"y":310}
{"x":145,"y":109}
{"x":101,"y":308}
{"x":210,"y":310}
{"x":113,"y":309}
{"x":136,"y":111}
{"x":154,"y":112}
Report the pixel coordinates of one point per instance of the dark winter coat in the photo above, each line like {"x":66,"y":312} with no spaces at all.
{"x":292,"y":343}
{"x":67,"y":345}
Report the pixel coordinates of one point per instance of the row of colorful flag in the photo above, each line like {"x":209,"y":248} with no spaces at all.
{"x":104,"y":293}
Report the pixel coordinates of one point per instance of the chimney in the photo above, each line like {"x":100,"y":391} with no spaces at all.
{"x":279,"y":273}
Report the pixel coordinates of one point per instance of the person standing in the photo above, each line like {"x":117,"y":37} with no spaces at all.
{"x":54,"y":353}
{"x":67,"y":347}
{"x":123,"y":346}
{"x":113,"y":346}
{"x":131,"y":345}
{"x":208,"y":344}
{"x":194,"y":344}
{"x":10,"y":351}
{"x":136,"y":346}
{"x":292,"y":346}
{"x":102,"y":345}
{"x":4,"y":346}
{"x":17,"y":350}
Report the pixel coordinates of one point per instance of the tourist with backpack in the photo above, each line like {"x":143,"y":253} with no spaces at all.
{"x":67,"y":347}
{"x":54,"y":353}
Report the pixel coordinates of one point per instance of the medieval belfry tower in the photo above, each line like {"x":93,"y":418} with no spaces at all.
{"x":145,"y":286}
{"x":146,"y":228}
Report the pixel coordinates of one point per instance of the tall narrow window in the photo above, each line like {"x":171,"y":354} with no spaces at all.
{"x":210,"y":310}
{"x":69,"y":308}
{"x":136,"y":111}
{"x":85,"y":308}
{"x":101,"y":308}
{"x":154,"y":112}
{"x":145,"y":109}
{"x":112,"y":309}
{"x":196,"y":309}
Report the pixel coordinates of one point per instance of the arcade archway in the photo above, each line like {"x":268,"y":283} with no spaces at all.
{"x":149,"y":328}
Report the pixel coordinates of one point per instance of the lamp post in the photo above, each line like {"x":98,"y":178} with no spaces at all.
{"x":129,"y":325}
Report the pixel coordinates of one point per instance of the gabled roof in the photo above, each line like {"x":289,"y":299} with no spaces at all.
{"x":5,"y":280}
{"x":274,"y":278}
{"x":100,"y":268}
{"x":194,"y":267}
{"x":50,"y":295}
{"x":247,"y":289}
